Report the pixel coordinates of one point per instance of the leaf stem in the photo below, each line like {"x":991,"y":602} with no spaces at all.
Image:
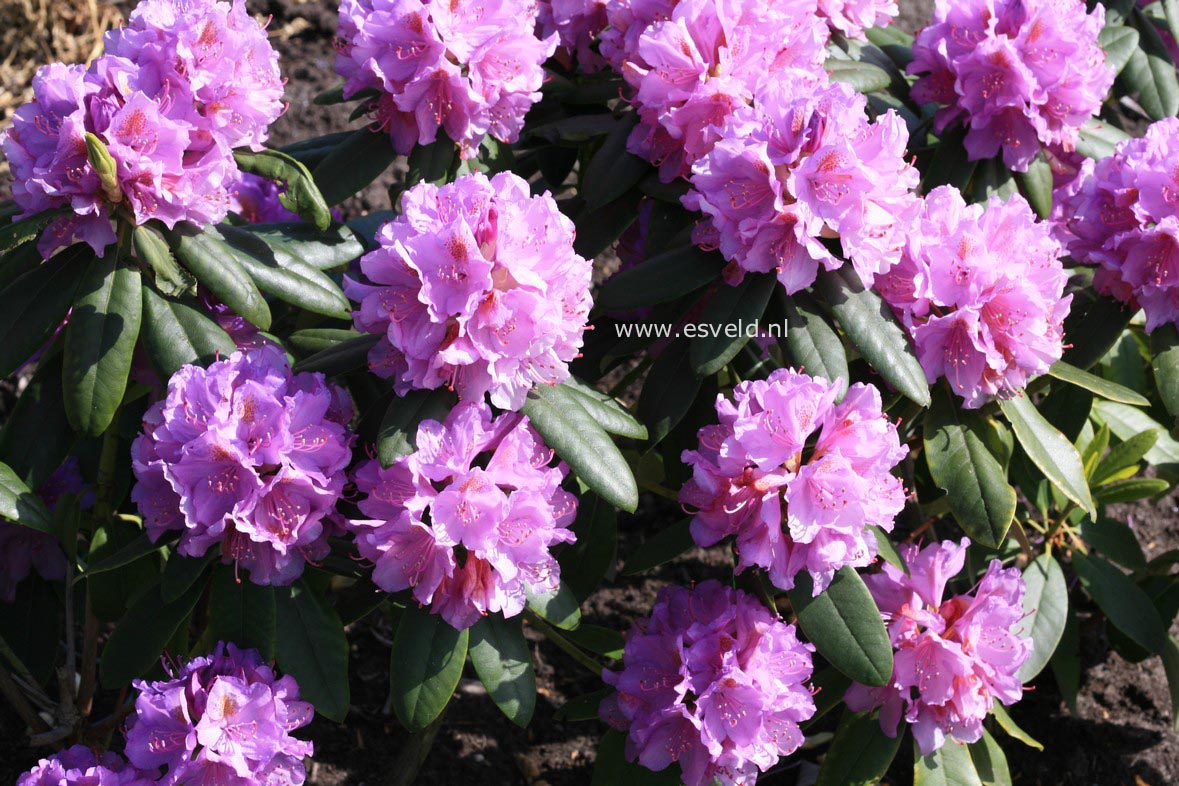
{"x":568,"y":647}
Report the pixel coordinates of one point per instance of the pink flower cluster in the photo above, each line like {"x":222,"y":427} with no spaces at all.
{"x":222,"y":719}
{"x":980,"y":290}
{"x":467,"y":521}
{"x":475,"y":286}
{"x":853,"y":17}
{"x":577,"y":24}
{"x":1018,"y":73}
{"x":714,"y":681}
{"x":470,"y":69}
{"x":1122,"y":215}
{"x":799,"y":168}
{"x":178,"y":88}
{"x":693,"y":68}
{"x":80,"y":766}
{"x":954,"y":658}
{"x":248,"y":457}
{"x":795,"y":477}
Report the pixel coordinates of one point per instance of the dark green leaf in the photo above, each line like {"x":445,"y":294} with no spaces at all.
{"x":1171,"y":667}
{"x":399,"y":427}
{"x":1130,"y":490}
{"x":135,"y":549}
{"x":871,"y":326}
{"x":612,"y":769}
{"x":1095,"y":384}
{"x":216,"y":266}
{"x":613,"y":171}
{"x":1115,"y":540}
{"x":432,"y":163}
{"x":661,"y":278}
{"x":587,"y":561}
{"x":425,"y":667}
{"x":33,"y":306}
{"x":1164,"y":350}
{"x":1149,"y":73}
{"x":181,"y":573}
{"x":863,"y":77}
{"x":886,"y":549}
{"x":1098,"y":138}
{"x":37,"y":437}
{"x":301,"y":196}
{"x":569,"y":430}
{"x":311,"y":151}
{"x":1125,"y":455}
{"x":982,"y":501}
{"x":558,"y":608}
{"x":333,"y":248}
{"x":310,"y":646}
{"x":860,"y":753}
{"x":949,"y":164}
{"x":810,"y":343}
{"x":727,"y":321}
{"x":1118,"y":42}
{"x":949,"y":765}
{"x":1048,"y":449}
{"x":990,"y":764}
{"x":171,"y":279}
{"x":581,"y":708}
{"x":1100,"y":323}
{"x":340,"y":358}
{"x":1129,"y":422}
{"x":314,"y":340}
{"x":665,"y":546}
{"x":503,"y":662}
{"x":177,"y":334}
{"x":111,"y":592}
{"x":845,"y":625}
{"x":142,"y":634}
{"x":242,"y":612}
{"x":19,"y":504}
{"x":1036,"y":186}
{"x":1123,"y":602}
{"x":1045,"y":606}
{"x":608,"y":413}
{"x":669,"y":391}
{"x":16,"y":233}
{"x":598,"y":229}
{"x":31,"y":626}
{"x":606,"y":642}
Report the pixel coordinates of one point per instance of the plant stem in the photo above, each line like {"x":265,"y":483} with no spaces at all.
{"x":568,"y":647}
{"x":16,"y":698}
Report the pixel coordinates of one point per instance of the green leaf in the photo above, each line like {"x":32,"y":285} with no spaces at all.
{"x":582,"y":708}
{"x":982,"y":501}
{"x":1164,"y":351}
{"x":613,"y":171}
{"x":666,"y":545}
{"x":669,"y":391}
{"x":588,"y":560}
{"x":242,"y":612}
{"x":1171,"y":13}
{"x":887,"y":550}
{"x":597,"y":230}
{"x":398,"y":431}
{"x":340,"y":358}
{"x":1045,"y":607}
{"x":1123,"y":602}
{"x":990,"y":764}
{"x":1128,"y":422}
{"x":949,"y":765}
{"x":661,"y":278}
{"x":20,"y":505}
{"x":310,"y":646}
{"x":285,"y":277}
{"x":133,"y":550}
{"x":607,"y":411}
{"x":1095,"y":384}
{"x":216,"y":266}
{"x":1171,"y":667}
{"x":949,"y":164}
{"x":432,"y":163}
{"x":31,"y":628}
{"x":100,"y":342}
{"x":606,"y":642}
{"x":1048,"y":449}
{"x":333,"y":248}
{"x":16,"y":233}
{"x":1130,"y":490}
{"x":311,"y":151}
{"x":1115,"y":540}
{"x":1118,"y":42}
{"x":503,"y":662}
{"x":176,"y":334}
{"x":845,"y":625}
{"x":569,"y":430}
{"x":37,"y":437}
{"x":871,"y":326}
{"x":863,"y":77}
{"x":810,"y":343}
{"x":612,"y":769}
{"x":111,"y":592}
{"x":559,"y":608}
{"x":151,"y":247}
{"x":1101,"y":322}
{"x":425,"y":666}
{"x":860,"y":754}
{"x":1149,"y":73}
{"x":142,"y":634}
{"x":302,"y":196}
{"x":1123,"y":456}
{"x":1008,"y":724}
{"x":312,"y":340}
{"x":1098,"y":138}
{"x":181,"y":573}
{"x":354,"y":164}
{"x":33,"y":306}
{"x":725,"y":322}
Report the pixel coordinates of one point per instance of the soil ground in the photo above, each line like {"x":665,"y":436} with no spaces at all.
{"x":1120,"y":733}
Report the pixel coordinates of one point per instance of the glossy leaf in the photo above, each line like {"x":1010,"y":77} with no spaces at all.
{"x":1130,"y":490}
{"x":1115,"y":540}
{"x":398,"y":431}
{"x":357,"y":161}
{"x":1123,"y":602}
{"x":725,"y":322}
{"x":1101,"y":322}
{"x":1097,"y":138}
{"x":1118,"y":42}
{"x":1171,"y":667}
{"x":310,"y":646}
{"x":664,"y":546}
{"x":38,"y":437}
{"x":142,"y":634}
{"x":587,"y":561}
{"x":1149,"y":73}
{"x":151,"y":247}
{"x":1045,"y":606}
{"x":811,"y":343}
{"x":503,"y":661}
{"x":33,"y":306}
{"x":669,"y":391}
{"x":20,"y":505}
{"x":1128,"y":422}
{"x":181,"y":573}
{"x":662,"y":277}
{"x":1008,"y":724}
{"x":1048,"y":449}
{"x":330,"y":249}
{"x":1164,"y":351}
{"x":1124,"y":455}
{"x":427,"y":661}
{"x":242,"y":612}
{"x":613,"y":170}
{"x":611,"y":767}
{"x":558,"y":607}
{"x":301,"y":195}
{"x":1098,"y":385}
{"x":340,"y":358}
{"x":217,"y":268}
{"x":16,"y":233}
{"x":860,"y":754}
{"x":312,"y":340}
{"x":863,"y":77}
{"x":176,"y":334}
{"x":845,"y":625}
{"x":607,"y":411}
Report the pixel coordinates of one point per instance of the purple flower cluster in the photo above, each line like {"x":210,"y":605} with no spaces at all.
{"x":222,"y":719}
{"x":178,"y":88}
{"x":467,"y":521}
{"x":1017,"y":73}
{"x":980,"y":291}
{"x":714,"y":681}
{"x":801,"y":167}
{"x":80,"y":766}
{"x":954,"y":658}
{"x":23,"y":550}
{"x":694,"y":67}
{"x":853,"y":17}
{"x":476,"y":286}
{"x":577,"y":24}
{"x":246,"y":456}
{"x":1122,"y":215}
{"x":470,"y":69}
{"x":795,"y":477}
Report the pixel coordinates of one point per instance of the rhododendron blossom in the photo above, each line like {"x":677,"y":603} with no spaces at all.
{"x":247,"y":457}
{"x":980,"y":290}
{"x":1122,"y":215}
{"x":795,"y":477}
{"x":468,"y":520}
{"x":577,"y":24}
{"x":954,"y":657}
{"x":470,"y":69}
{"x":714,"y":681}
{"x":1016,"y":73}
{"x":708,"y":59}
{"x":225,"y":718}
{"x":853,"y":17}
{"x":178,"y":88}
{"x":794,"y":170}
{"x":80,"y":766}
{"x":24,"y":550}
{"x":475,"y":286}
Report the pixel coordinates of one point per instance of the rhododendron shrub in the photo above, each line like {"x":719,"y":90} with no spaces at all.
{"x":833,"y":348}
